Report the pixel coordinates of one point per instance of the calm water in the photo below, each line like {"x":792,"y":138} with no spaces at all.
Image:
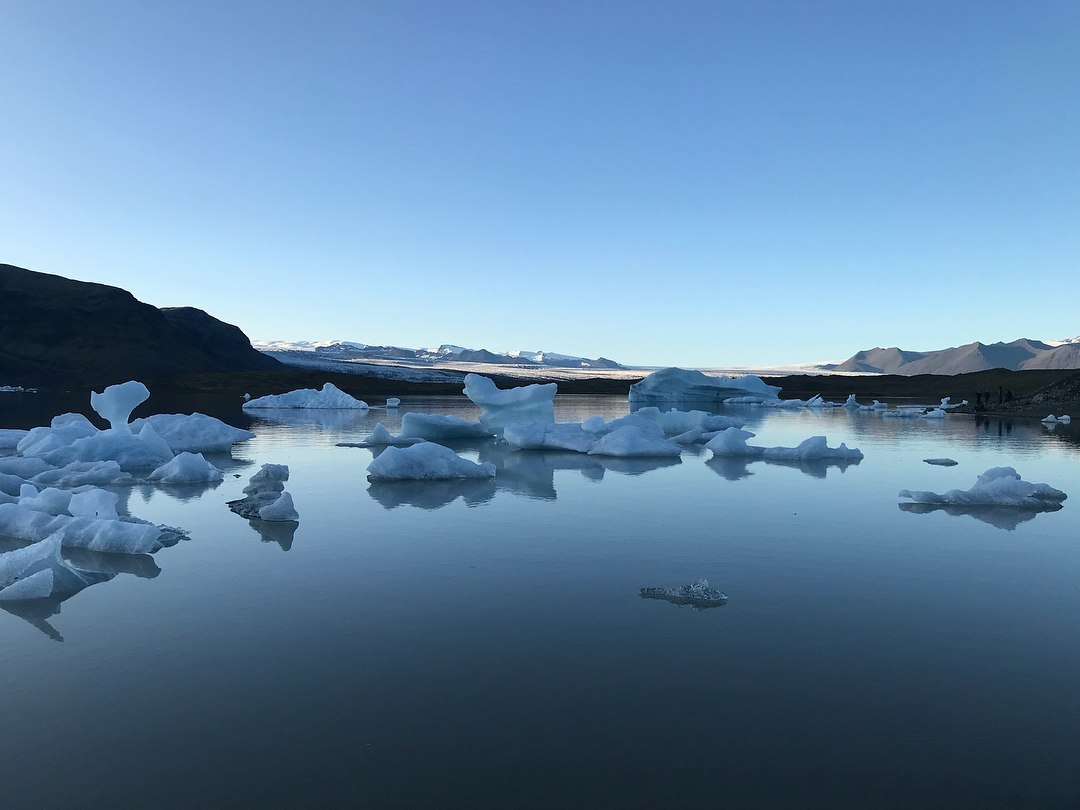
{"x":471,"y":645}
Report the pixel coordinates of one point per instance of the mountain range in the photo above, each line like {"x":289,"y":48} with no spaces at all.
{"x":1019,"y":355}
{"x":351,"y":350}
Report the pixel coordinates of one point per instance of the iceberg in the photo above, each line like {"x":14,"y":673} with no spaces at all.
{"x":393,"y":402}
{"x":381,"y":437}
{"x":933,"y":413}
{"x":39,"y":572}
{"x":671,"y":386}
{"x":998,"y":486}
{"x":732,"y":442}
{"x":9,"y":439}
{"x":501,"y":407}
{"x":116,"y":403}
{"x":186,"y":468}
{"x":125,"y":536}
{"x":941,"y":462}
{"x":875,"y":406}
{"x":61,"y":432}
{"x":264,"y":492}
{"x":423,"y":462}
{"x":83,"y":473}
{"x":549,"y":436}
{"x":676,"y":422}
{"x":629,"y":441}
{"x":132,"y":451}
{"x":94,"y":503}
{"x":193,"y":433}
{"x":1050,"y":418}
{"x":329,"y":396}
{"x":441,"y":427}
{"x":698,"y":595}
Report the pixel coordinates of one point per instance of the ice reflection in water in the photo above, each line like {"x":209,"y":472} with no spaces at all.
{"x":1003,"y":517}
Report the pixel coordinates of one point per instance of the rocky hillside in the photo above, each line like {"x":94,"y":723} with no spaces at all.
{"x":57,"y":331}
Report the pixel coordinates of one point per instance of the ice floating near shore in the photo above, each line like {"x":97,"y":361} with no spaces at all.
{"x":329,"y":396}
{"x":437,"y":427}
{"x":1050,"y":418}
{"x":998,"y":486}
{"x":264,"y":496}
{"x":733,"y":442}
{"x":698,"y":595}
{"x":393,"y":402}
{"x":501,"y":407}
{"x":186,"y":468}
{"x":941,"y":462}
{"x":427,"y":461}
{"x":193,"y":433}
{"x":671,"y":386}
{"x":381,"y":437}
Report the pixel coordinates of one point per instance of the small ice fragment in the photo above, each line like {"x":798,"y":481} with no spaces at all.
{"x":941,"y":462}
{"x":281,"y":509}
{"x":393,"y":402}
{"x":698,"y":595}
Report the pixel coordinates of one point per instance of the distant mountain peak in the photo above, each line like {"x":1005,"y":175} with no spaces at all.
{"x":1017,"y":355}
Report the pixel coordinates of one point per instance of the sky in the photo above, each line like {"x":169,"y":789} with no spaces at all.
{"x":712,"y":184}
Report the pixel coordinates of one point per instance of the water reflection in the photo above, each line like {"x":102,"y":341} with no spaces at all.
{"x":326,"y":418}
{"x":275,"y":531}
{"x":432,"y":494}
{"x":734,"y":468}
{"x":1001,"y":517}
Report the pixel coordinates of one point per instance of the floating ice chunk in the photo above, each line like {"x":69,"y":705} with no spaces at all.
{"x":594,"y":424}
{"x":26,"y":467}
{"x":875,"y":406}
{"x":1065,"y":418}
{"x":1049,"y":418}
{"x":941,"y":462}
{"x":501,"y":407}
{"x":902,"y":413}
{"x":117,"y":536}
{"x":425,"y":462}
{"x":193,"y":433}
{"x":732,"y":442}
{"x":674,"y":385}
{"x":50,"y":500}
{"x":998,"y":486}
{"x":94,"y":503}
{"x":695,"y":436}
{"x":38,"y":572}
{"x":247,"y":397}
{"x":116,"y":403}
{"x":698,"y":595}
{"x":393,"y":402}
{"x":675,"y":422}
{"x":186,"y":468}
{"x":629,"y":441}
{"x":329,"y":396}
{"x":264,"y":490}
{"x":936,"y":413}
{"x":441,"y":427}
{"x":9,"y":439}
{"x":61,"y":432}
{"x":850,"y":403}
{"x":280,"y":510}
{"x":145,"y":450}
{"x":549,"y":436}
{"x":83,"y":473}
{"x":381,"y":437}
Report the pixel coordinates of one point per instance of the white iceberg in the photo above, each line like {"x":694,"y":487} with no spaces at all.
{"x":132,"y":451}
{"x":733,"y":442}
{"x":381,"y":437}
{"x":61,"y":432}
{"x":851,"y":404}
{"x":39,"y":572}
{"x":329,"y":396}
{"x":1050,"y":418}
{"x":50,"y":500}
{"x":94,"y":503}
{"x":393,"y":402}
{"x":549,"y":436}
{"x":874,"y":406}
{"x":671,"y":386}
{"x":427,"y":461}
{"x":630,"y":441}
{"x":675,"y":422}
{"x":998,"y":486}
{"x":10,"y":438}
{"x":280,"y":510}
{"x":116,"y":403}
{"x":501,"y":407}
{"x":193,"y":433}
{"x":83,"y":473}
{"x":97,"y":534}
{"x":441,"y":427}
{"x":186,"y":468}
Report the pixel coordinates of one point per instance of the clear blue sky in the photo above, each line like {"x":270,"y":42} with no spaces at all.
{"x":710,"y":183}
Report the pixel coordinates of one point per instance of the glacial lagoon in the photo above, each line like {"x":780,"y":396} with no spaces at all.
{"x":479,"y":643}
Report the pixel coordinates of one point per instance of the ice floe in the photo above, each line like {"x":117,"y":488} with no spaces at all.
{"x":630,"y":441}
{"x":186,"y":468}
{"x":733,"y":442}
{"x":393,"y":402}
{"x":329,"y":396}
{"x":424,"y":462}
{"x":1050,"y":418}
{"x":941,"y":462}
{"x":10,"y":438}
{"x":124,"y":536}
{"x":193,"y":433}
{"x":501,"y":407}
{"x":381,"y":437}
{"x":672,"y":386}
{"x":263,"y":496}
{"x":697,"y":595}
{"x":998,"y":486}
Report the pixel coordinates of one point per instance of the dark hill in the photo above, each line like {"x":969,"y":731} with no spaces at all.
{"x":58,"y":331}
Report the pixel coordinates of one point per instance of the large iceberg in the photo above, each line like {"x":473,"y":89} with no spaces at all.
{"x":501,"y":407}
{"x":193,"y":433}
{"x":126,"y":536}
{"x":671,"y":386}
{"x":329,"y":396}
{"x":733,"y":442}
{"x":423,"y":462}
{"x":998,"y":486}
